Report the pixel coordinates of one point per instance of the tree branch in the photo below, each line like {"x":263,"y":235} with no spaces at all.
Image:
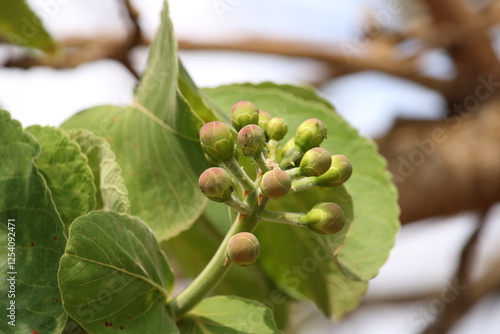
{"x":470,"y":292}
{"x":449,"y":166}
{"x":340,"y":64}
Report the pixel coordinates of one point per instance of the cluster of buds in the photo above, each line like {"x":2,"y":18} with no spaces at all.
{"x":298,"y":165}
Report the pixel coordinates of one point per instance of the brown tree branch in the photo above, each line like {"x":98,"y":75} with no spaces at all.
{"x":78,"y":51}
{"x":341,"y":64}
{"x":470,"y":292}
{"x":449,"y":166}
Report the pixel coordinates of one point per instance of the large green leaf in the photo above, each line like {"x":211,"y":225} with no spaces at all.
{"x":19,"y":25}
{"x":111,"y":194}
{"x":66,"y":171}
{"x":114,"y":275}
{"x":374,"y":200}
{"x":156,"y":142}
{"x":37,"y":234}
{"x":228,"y":315}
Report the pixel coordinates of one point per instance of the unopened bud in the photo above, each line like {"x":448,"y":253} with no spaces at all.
{"x":310,"y":133}
{"x":264,"y":118}
{"x":217,"y":140}
{"x":276,"y":128}
{"x":315,"y":162}
{"x":243,"y":248}
{"x":216,"y":184}
{"x":339,"y":172}
{"x":325,"y":218}
{"x":244,"y":113}
{"x":251,"y":140}
{"x":275,"y":183}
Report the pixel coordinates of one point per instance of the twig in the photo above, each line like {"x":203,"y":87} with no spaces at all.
{"x":473,"y":292}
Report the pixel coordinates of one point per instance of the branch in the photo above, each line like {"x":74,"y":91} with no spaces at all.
{"x":341,"y":64}
{"x":467,"y":293}
{"x":449,"y":166}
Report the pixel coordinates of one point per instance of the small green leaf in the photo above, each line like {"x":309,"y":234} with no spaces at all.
{"x":29,"y":217}
{"x":114,"y":275}
{"x":112,"y":194}
{"x":156,"y":141}
{"x":224,"y":315}
{"x":66,"y":171}
{"x":20,"y":26}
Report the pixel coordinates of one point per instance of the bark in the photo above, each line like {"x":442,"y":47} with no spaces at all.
{"x":447,"y":166}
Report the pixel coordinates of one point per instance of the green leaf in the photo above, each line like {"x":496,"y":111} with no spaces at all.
{"x":374,"y":199}
{"x":225,"y":315}
{"x":156,"y":142}
{"x":196,"y":98}
{"x":37,"y":235}
{"x":114,"y":275}
{"x":19,"y":25}
{"x":112,"y":194}
{"x":66,"y":172}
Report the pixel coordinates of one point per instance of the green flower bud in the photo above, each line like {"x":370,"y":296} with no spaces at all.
{"x":310,"y":133}
{"x":276,"y":128}
{"x":325,"y":218}
{"x":264,"y":117}
{"x":339,"y":172}
{"x":315,"y":162}
{"x":251,"y":140}
{"x":275,"y":183}
{"x":216,"y":184}
{"x":243,"y":249}
{"x":217,"y":140}
{"x":244,"y":113}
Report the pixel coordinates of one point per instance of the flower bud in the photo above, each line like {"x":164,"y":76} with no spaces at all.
{"x":244,"y":113}
{"x":264,"y":117}
{"x":243,"y":249}
{"x":251,"y":140}
{"x":276,"y":128}
{"x":216,"y":184}
{"x":275,"y":183}
{"x":339,"y":172}
{"x":325,"y":218}
{"x":310,"y":133}
{"x":217,"y":140}
{"x":315,"y":162}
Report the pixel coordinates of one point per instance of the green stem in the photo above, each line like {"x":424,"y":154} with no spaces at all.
{"x":290,"y":159}
{"x":261,"y":162}
{"x":216,"y":269}
{"x":294,"y":173}
{"x":272,"y":146}
{"x":289,"y":218}
{"x":303,"y":184}
{"x":238,"y":172}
